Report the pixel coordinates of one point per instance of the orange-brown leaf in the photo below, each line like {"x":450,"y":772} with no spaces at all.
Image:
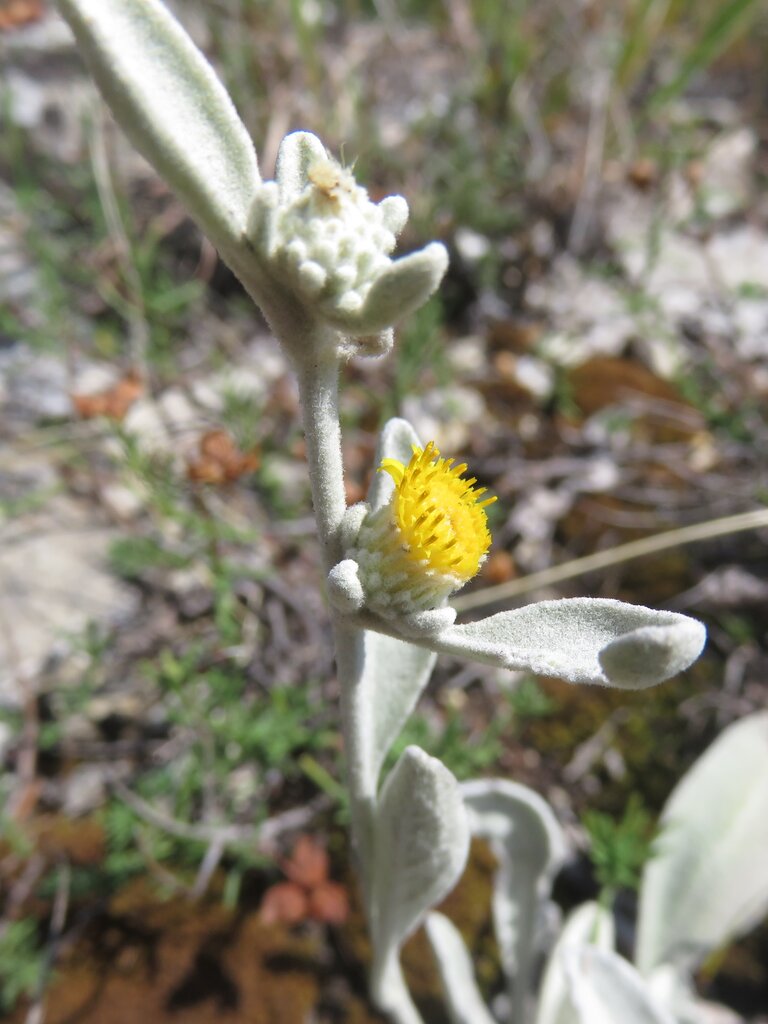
{"x":329,"y":902}
{"x":284,"y":903}
{"x":308,"y":863}
{"x":15,"y":13}
{"x":499,"y":567}
{"x":113,"y":402}
{"x":220,"y":460}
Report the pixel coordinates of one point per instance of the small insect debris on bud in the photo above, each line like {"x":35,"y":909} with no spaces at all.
{"x":330,"y":180}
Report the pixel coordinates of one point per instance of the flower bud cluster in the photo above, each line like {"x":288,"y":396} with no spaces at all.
{"x":328,"y":246}
{"x":333,"y":242}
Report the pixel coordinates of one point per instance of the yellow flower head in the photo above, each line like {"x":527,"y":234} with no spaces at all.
{"x":438,"y":514}
{"x":427,"y":541}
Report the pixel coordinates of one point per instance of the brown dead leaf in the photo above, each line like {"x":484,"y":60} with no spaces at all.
{"x":220,"y":460}
{"x":643,"y":173}
{"x":15,"y":13}
{"x":308,"y":864}
{"x":606,"y":380}
{"x":329,"y":903}
{"x":514,"y":335}
{"x":284,"y":903}
{"x":80,"y":841}
{"x":499,"y":567}
{"x":113,"y":402}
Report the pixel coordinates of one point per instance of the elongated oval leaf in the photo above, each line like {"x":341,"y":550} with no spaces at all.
{"x":465,"y":1004}
{"x":590,"y":924}
{"x":173,"y":108}
{"x":582,"y":640}
{"x":605,"y":989}
{"x":393,"y":678}
{"x":708,"y":879}
{"x":421,"y":844}
{"x":527,"y":840}
{"x":421,"y":841}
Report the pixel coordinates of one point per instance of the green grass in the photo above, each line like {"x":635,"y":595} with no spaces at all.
{"x":619,"y":848}
{"x":454,"y":742}
{"x":23,"y":961}
{"x":12,"y":508}
{"x":465,"y":165}
{"x":701,"y":388}
{"x":707,"y":39}
{"x":420,"y":350}
{"x":133,"y":557}
{"x":528,"y":701}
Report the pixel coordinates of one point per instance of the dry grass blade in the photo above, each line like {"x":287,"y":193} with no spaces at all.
{"x":614,"y":556}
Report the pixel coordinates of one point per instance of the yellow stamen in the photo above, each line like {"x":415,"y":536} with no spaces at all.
{"x":437,"y":513}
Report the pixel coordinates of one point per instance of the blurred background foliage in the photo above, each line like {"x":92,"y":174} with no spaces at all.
{"x":156,"y":749}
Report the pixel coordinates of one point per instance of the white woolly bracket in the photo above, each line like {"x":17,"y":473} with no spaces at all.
{"x":345,"y":590}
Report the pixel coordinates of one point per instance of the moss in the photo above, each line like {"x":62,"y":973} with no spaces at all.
{"x":469,"y":907}
{"x":166,"y":960}
{"x":80,"y":841}
{"x":655,"y":742}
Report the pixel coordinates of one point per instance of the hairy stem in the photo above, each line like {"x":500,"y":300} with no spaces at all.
{"x":319,"y":393}
{"x":318,"y":389}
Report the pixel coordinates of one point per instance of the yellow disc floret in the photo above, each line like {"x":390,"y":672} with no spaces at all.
{"x":427,"y":541}
{"x":438,"y":514}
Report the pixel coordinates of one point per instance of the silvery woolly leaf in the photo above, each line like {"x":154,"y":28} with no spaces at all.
{"x":399,"y":289}
{"x":674,"y":990}
{"x":345,"y":591}
{"x":421,"y":844}
{"x":708,"y":879}
{"x":173,"y":108}
{"x":463,"y":999}
{"x":590,"y":924}
{"x":393,"y":678}
{"x":373,"y":345}
{"x":530,"y":846}
{"x":582,"y":640}
{"x":261,"y":216}
{"x":389,"y":991}
{"x":605,"y":989}
{"x":297,"y":153}
{"x":396,"y":441}
{"x":394,"y":212}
